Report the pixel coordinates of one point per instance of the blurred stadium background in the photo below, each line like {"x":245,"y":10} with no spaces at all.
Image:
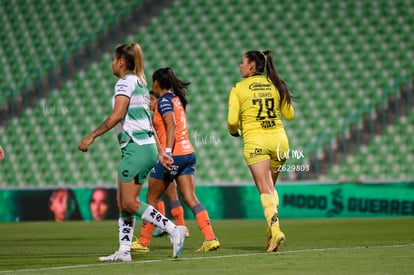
{"x":351,"y":63}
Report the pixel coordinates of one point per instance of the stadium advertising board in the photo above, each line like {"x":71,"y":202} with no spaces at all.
{"x":348,"y":200}
{"x":223,"y":202}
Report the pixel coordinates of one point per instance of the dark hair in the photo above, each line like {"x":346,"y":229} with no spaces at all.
{"x":264,"y":62}
{"x":110,"y":200}
{"x":72,"y":208}
{"x":168,"y":80}
{"x":151,"y":92}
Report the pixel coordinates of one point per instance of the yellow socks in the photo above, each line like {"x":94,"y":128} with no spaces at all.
{"x":270,"y":203}
{"x":277,"y":200}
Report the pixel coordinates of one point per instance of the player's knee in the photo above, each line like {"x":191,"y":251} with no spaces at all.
{"x":128,"y":205}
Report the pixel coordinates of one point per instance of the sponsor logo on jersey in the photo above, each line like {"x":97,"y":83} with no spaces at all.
{"x":260,"y":86}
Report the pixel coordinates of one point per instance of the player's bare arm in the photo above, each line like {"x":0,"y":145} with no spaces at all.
{"x":120,"y":107}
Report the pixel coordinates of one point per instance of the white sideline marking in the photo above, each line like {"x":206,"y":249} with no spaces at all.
{"x":208,"y":257}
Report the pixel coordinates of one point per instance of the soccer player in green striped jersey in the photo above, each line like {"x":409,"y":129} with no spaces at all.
{"x":139,"y":146}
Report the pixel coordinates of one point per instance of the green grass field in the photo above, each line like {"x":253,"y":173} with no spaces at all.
{"x":313,"y":246}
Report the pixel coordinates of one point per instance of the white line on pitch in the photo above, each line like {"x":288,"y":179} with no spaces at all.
{"x":208,"y":257}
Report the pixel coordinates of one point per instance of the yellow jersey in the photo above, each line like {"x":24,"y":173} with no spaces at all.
{"x":254,"y":107}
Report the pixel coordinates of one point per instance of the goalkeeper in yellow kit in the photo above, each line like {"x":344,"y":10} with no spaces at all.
{"x":255,"y":108}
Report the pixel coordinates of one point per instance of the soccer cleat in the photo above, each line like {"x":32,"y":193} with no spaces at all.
{"x":209,"y":246}
{"x":186,"y":232}
{"x":137,"y":246}
{"x":118,"y":256}
{"x":278,"y":237}
{"x":268,"y":236}
{"x":177,"y":239}
{"x":158,"y":232}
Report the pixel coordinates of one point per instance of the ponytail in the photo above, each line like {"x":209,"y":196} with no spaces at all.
{"x":264,"y":63}
{"x":134,"y":59}
{"x":271,"y":73}
{"x":139,"y":62}
{"x":168,"y":80}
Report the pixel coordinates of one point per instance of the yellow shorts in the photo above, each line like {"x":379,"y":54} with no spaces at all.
{"x":261,"y":147}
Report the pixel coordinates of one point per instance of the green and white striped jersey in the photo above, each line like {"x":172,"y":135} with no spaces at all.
{"x":136,"y":124}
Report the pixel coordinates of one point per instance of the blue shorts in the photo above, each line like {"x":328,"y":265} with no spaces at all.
{"x":183,"y":165}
